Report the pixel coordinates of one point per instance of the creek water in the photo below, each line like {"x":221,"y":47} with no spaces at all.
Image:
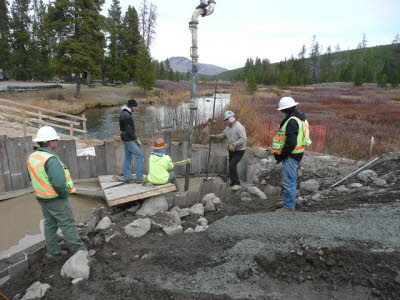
{"x":103,"y":122}
{"x":21,"y":220}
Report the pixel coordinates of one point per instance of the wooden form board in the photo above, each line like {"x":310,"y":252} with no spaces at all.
{"x":116,"y":193}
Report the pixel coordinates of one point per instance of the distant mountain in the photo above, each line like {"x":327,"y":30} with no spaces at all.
{"x":183,"y":64}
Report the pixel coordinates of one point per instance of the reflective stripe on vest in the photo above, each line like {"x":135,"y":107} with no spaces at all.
{"x":39,"y":178}
{"x":303,"y":139}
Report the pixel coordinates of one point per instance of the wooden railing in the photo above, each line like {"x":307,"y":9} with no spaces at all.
{"x":27,"y":113}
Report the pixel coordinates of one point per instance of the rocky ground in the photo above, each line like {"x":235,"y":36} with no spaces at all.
{"x":341,"y":243}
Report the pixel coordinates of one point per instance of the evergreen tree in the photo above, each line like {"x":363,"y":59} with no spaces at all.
{"x":130,"y":43}
{"x":251,"y":83}
{"x":20,"y":40}
{"x":144,"y":72}
{"x":4,"y":36}
{"x":314,"y":60}
{"x":161,"y":74}
{"x":40,"y":43}
{"x":115,"y":53}
{"x":171,"y":74}
{"x":80,"y":50}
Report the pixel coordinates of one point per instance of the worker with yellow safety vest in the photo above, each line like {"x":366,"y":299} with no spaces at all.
{"x":51,"y":182}
{"x":289,"y":145}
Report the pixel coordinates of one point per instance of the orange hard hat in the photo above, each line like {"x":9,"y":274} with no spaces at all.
{"x":159,"y":144}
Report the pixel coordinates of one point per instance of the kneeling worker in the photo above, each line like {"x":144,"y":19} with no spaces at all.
{"x":235,"y":133}
{"x":160,"y":165}
{"x":52,"y":184}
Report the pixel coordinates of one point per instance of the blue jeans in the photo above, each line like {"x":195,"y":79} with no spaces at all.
{"x":132,"y":149}
{"x":289,"y":181}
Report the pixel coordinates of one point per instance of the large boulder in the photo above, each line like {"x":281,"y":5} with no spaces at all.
{"x":209,"y":206}
{"x":77,"y":266}
{"x":152,"y":206}
{"x":309,"y":186}
{"x":255,"y":192}
{"x":169,"y":222}
{"x":138,"y":227}
{"x":36,"y":291}
{"x":103,"y":224}
{"x":367,"y":176}
{"x":380,"y":182}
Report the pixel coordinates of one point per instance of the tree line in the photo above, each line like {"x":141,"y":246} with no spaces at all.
{"x":379,"y":64}
{"x":72,"y":38}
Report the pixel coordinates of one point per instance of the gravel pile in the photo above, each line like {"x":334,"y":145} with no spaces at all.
{"x":284,"y":231}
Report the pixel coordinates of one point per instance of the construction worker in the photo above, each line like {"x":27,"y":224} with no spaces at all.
{"x":131,"y":142}
{"x":288,"y":146}
{"x":160,"y":165}
{"x":51,"y":182}
{"x":235,"y":133}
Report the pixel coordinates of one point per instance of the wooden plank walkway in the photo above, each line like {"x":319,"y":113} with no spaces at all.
{"x":116,"y":193}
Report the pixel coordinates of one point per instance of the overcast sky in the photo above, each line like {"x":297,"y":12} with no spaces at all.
{"x":272,"y":29}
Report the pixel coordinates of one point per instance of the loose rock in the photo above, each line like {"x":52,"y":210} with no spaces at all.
{"x":367,"y":176}
{"x":380,"y":182}
{"x":138,"y":227}
{"x":342,"y":189}
{"x":152,"y":206}
{"x":184,"y":212}
{"x":200,"y":228}
{"x":246,"y":199}
{"x":108,"y":238}
{"x":197,"y":209}
{"x":76,"y":280}
{"x":208,"y":198}
{"x":77,"y":266}
{"x":309,"y":186}
{"x":103,"y":224}
{"x":202,"y":221}
{"x":255,"y":191}
{"x":189,"y":230}
{"x":209,"y":206}
{"x":133,"y":209}
{"x":36,"y":291}
{"x":355,"y":185}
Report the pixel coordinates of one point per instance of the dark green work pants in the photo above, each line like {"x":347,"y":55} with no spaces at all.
{"x":58,"y":214}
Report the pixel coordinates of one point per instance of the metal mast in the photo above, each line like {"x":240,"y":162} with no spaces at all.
{"x":205,"y":8}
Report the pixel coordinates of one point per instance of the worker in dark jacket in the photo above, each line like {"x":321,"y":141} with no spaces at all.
{"x":288,"y":146}
{"x":131,"y":142}
{"x":52,"y":184}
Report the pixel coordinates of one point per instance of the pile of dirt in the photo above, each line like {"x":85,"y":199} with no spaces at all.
{"x":343,"y":244}
{"x":355,"y":265}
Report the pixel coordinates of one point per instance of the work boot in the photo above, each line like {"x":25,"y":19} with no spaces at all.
{"x":50,"y":258}
{"x":130,"y":180}
{"x":236,"y":187}
{"x":139,"y":181}
{"x":118,"y":178}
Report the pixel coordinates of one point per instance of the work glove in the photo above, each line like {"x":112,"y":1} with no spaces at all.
{"x":212,"y":137}
{"x":232,"y":148}
{"x":138,"y":142}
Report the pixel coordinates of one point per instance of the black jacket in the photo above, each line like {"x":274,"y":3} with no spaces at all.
{"x":126,"y":125}
{"x":292,"y":130}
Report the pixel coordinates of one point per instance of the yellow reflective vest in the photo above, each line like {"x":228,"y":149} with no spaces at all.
{"x":39,"y":178}
{"x":303,"y":137}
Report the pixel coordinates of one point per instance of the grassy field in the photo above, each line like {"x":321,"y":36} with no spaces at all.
{"x":353,"y":116}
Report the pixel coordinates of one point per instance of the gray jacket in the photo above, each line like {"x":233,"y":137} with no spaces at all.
{"x":236,"y":136}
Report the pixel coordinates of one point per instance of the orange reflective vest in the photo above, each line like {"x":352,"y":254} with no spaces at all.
{"x":39,"y":178}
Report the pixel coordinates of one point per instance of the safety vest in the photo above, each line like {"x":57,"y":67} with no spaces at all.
{"x":303,"y":137}
{"x":158,"y":168}
{"x":39,"y":178}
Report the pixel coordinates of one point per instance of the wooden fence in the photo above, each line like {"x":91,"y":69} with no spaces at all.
{"x":109,"y":160}
{"x":27,"y":114}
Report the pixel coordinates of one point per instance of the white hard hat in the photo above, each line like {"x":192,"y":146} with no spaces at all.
{"x":228,"y":114}
{"x":45,"y":134}
{"x":286,"y":102}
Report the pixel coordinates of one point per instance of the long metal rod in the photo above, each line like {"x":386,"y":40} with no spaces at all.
{"x":356,"y":171}
{"x":211,"y":127}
